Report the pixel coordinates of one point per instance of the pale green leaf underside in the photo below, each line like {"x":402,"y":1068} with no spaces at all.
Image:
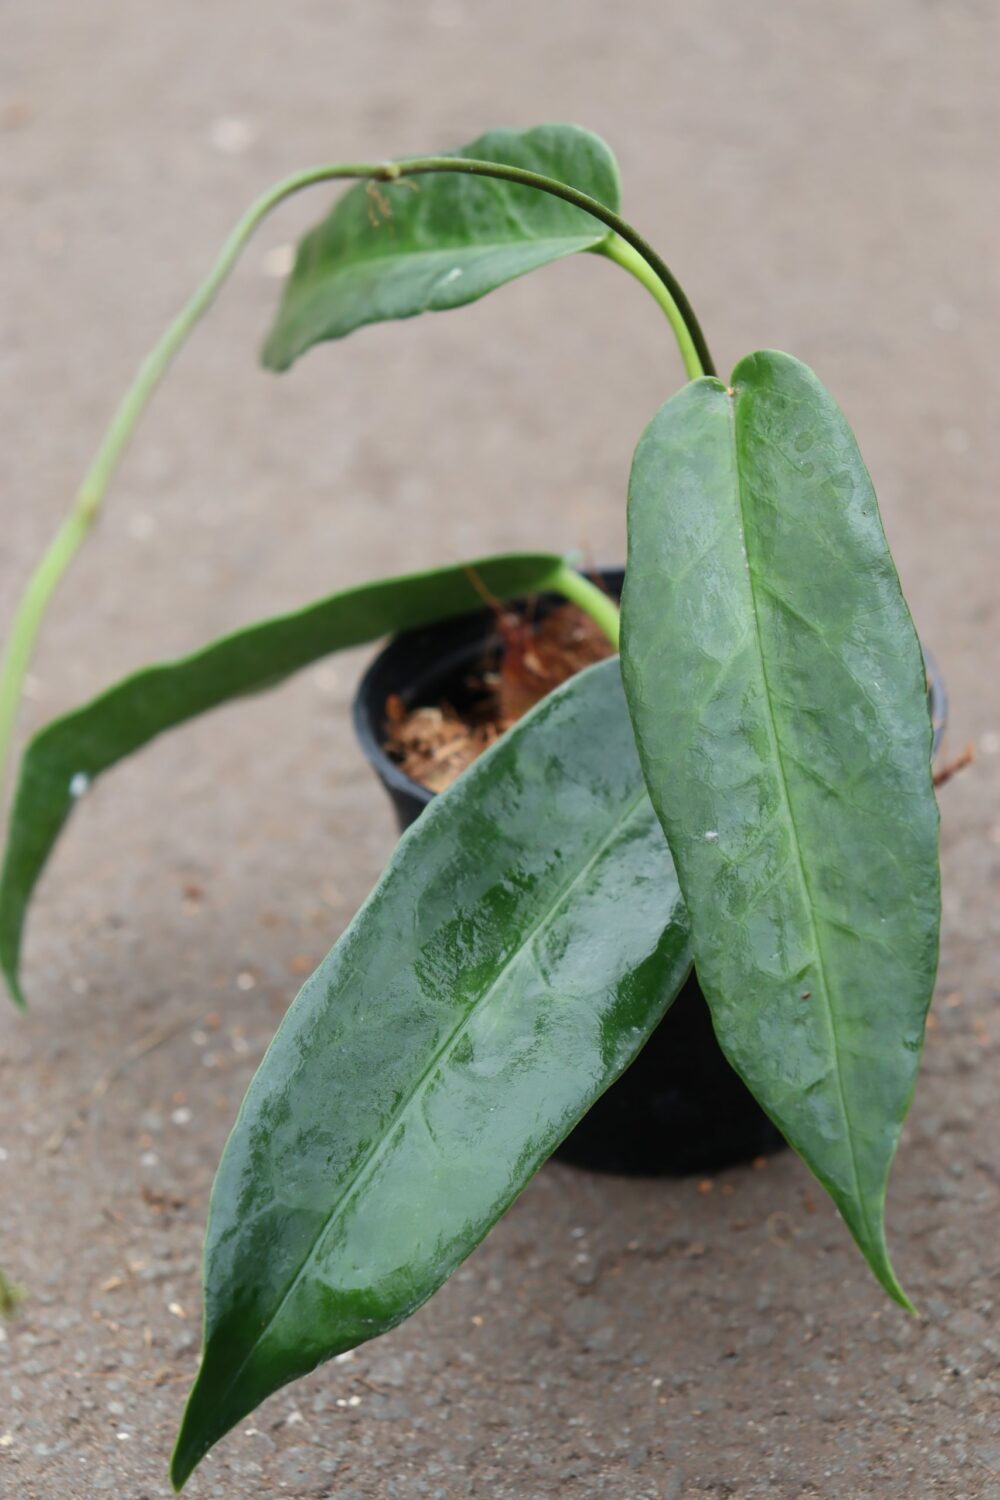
{"x":440,"y":241}
{"x":778,"y":695}
{"x":67,"y":755}
{"x":523,"y":942}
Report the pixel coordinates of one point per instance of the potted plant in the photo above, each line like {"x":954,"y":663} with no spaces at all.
{"x":747,"y":787}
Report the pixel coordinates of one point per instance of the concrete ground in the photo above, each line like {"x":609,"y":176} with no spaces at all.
{"x":823,"y":178}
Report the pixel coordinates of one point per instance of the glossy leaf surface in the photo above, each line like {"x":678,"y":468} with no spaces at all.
{"x":777,"y":690}
{"x":65,"y":757}
{"x":522,"y":944}
{"x":441,"y":241}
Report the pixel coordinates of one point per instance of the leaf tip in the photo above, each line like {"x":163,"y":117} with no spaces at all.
{"x":200,"y":1429}
{"x":273,"y":357}
{"x":14,"y":988}
{"x":189,"y":1449}
{"x":877,"y":1256}
{"x":896,"y":1292}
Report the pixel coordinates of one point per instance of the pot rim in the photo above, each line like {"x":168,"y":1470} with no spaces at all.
{"x":367,"y":713}
{"x":368,"y":721}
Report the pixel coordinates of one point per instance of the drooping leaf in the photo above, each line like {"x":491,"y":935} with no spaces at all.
{"x":441,"y":241}
{"x":777,"y":691}
{"x":66,"y":756}
{"x":522,"y":944}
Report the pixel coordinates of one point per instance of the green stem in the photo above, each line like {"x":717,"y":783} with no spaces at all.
{"x":642,"y":262}
{"x":28,"y":617}
{"x":90,"y":496}
{"x":587,"y":596}
{"x":623,"y":254}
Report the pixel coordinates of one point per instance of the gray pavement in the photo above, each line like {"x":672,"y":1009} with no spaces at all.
{"x":823,"y":179}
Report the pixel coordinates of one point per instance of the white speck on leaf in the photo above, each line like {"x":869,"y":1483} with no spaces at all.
{"x":711,"y":836}
{"x":78,"y":784}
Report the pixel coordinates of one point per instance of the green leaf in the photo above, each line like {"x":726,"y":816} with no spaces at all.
{"x":777,"y":691}
{"x":442,"y":241}
{"x":521,"y":946}
{"x":67,"y":755}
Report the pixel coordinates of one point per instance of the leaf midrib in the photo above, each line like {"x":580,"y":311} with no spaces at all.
{"x":731,"y":400}
{"x":441,"y":1054}
{"x":459,"y":247}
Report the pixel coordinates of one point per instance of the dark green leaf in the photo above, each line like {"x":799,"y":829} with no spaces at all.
{"x":65,"y":757}
{"x":441,"y":241}
{"x":523,"y":943}
{"x":777,"y":691}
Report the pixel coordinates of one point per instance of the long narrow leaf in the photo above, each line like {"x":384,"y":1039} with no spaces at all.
{"x":65,"y":757}
{"x":396,"y":251}
{"x":523,"y":943}
{"x":777,"y":691}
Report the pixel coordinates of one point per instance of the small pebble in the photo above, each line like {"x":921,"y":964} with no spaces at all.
{"x":230,"y":134}
{"x":141,"y":528}
{"x":446,"y":14}
{"x":278,"y":261}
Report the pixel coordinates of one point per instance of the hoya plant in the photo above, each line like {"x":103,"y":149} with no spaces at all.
{"x":745,"y":786}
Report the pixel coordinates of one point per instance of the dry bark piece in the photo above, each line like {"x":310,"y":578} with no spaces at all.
{"x":435,"y":743}
{"x":952,"y":767}
{"x":537,"y":658}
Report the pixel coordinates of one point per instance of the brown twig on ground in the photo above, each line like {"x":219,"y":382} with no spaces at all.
{"x":952,"y":767}
{"x":132,"y":1054}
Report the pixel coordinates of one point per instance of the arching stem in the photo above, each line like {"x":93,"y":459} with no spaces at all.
{"x":659,"y":272}
{"x":623,"y":254}
{"x":635,"y":254}
{"x":594,"y":602}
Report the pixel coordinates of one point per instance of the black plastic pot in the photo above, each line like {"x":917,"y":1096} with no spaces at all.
{"x":680,"y":1108}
